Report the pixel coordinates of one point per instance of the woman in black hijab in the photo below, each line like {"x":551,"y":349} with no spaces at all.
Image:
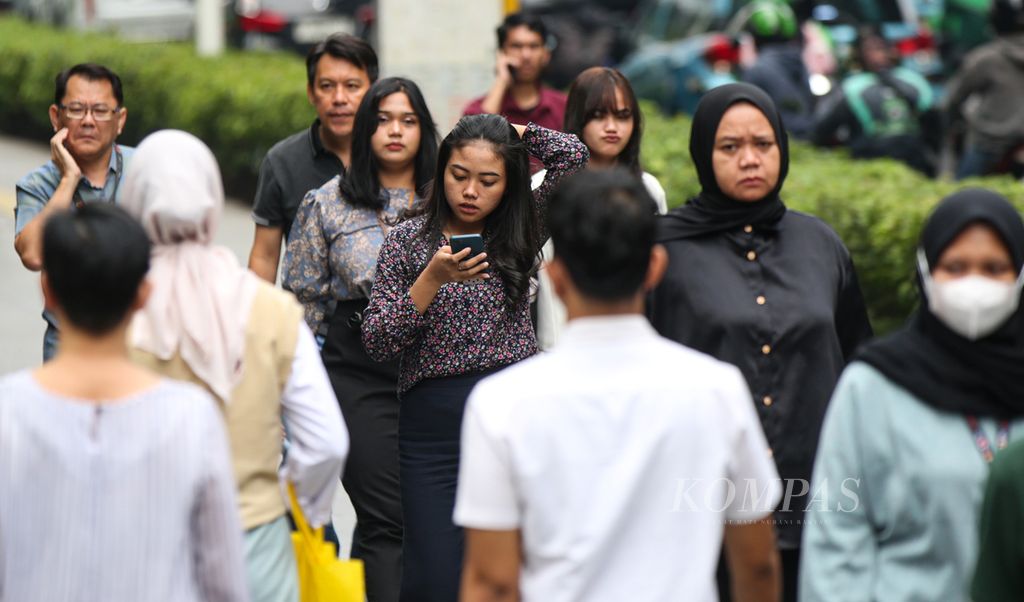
{"x":770,"y":290}
{"x":915,"y":421}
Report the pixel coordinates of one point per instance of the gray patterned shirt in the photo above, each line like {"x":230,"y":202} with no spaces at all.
{"x":333,"y":247}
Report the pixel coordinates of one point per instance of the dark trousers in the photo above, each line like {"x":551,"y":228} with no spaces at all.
{"x":429,"y":441}
{"x":790,"y":559}
{"x":367,"y":393}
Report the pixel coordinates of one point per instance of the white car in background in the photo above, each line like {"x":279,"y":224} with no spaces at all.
{"x":298,"y":24}
{"x":143,"y":20}
{"x":251,"y":24}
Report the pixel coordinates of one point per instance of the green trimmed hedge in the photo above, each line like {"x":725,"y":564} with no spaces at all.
{"x":242,"y":103}
{"x":877,"y":207}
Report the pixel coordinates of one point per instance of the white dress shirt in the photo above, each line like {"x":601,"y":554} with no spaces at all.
{"x":619,"y":455}
{"x":317,"y":438}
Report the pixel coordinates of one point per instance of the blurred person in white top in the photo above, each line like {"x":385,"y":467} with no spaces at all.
{"x":115,"y":484}
{"x":612,"y":467}
{"x":211,"y":322}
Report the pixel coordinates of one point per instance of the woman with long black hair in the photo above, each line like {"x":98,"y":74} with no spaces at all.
{"x":330,"y":266}
{"x":453,"y":318}
{"x":767,"y":289}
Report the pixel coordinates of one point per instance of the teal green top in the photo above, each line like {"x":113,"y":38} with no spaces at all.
{"x":1000,"y":573}
{"x":897,"y":492}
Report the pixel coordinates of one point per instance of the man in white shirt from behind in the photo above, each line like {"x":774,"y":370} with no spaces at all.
{"x":611,"y":468}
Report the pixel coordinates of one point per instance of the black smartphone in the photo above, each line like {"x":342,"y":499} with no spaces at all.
{"x":474,"y":242}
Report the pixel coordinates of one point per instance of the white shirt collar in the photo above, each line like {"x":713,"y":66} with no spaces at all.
{"x":606,"y":329}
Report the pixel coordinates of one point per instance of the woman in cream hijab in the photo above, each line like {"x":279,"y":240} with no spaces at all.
{"x":212,"y":322}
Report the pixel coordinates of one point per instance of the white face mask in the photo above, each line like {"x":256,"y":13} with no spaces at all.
{"x":971,"y":306}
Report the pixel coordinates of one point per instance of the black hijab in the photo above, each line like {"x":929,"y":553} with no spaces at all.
{"x":712,"y":211}
{"x":940,"y":367}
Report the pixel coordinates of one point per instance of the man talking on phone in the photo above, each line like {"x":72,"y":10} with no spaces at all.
{"x":86,"y":165}
{"x":517,"y":93}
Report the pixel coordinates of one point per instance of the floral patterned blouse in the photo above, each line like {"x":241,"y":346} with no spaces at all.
{"x":467,"y":327}
{"x":333,"y":246}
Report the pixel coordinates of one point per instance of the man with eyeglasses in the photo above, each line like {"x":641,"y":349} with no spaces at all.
{"x":86,"y":165}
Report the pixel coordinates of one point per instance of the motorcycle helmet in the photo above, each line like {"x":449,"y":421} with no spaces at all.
{"x":771,"y":21}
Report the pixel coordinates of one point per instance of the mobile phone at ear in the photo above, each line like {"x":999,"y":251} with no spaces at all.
{"x":474,"y":242}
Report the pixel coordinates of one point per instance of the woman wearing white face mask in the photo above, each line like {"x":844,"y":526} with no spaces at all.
{"x":914,"y":423}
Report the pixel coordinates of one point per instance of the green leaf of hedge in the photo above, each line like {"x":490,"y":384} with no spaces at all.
{"x":242,"y":103}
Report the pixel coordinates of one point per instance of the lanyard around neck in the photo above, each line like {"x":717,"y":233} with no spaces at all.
{"x":77,"y":200}
{"x":981,"y":441}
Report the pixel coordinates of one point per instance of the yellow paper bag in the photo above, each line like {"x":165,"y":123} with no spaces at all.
{"x":323,"y":577}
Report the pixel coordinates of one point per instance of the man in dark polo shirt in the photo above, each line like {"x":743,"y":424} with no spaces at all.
{"x":339,"y":71}
{"x":517,"y":93}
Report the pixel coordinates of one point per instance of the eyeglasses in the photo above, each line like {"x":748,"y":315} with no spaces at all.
{"x":99,"y":112}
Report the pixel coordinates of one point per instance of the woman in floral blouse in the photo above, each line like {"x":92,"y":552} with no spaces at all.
{"x":453,"y":319}
{"x":330,"y":264}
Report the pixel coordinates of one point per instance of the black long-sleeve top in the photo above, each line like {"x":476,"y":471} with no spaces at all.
{"x":784,"y":306}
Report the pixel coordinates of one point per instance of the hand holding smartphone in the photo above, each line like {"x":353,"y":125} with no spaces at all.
{"x":472,"y":264}
{"x":474,"y":242}
{"x":461,"y":260}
